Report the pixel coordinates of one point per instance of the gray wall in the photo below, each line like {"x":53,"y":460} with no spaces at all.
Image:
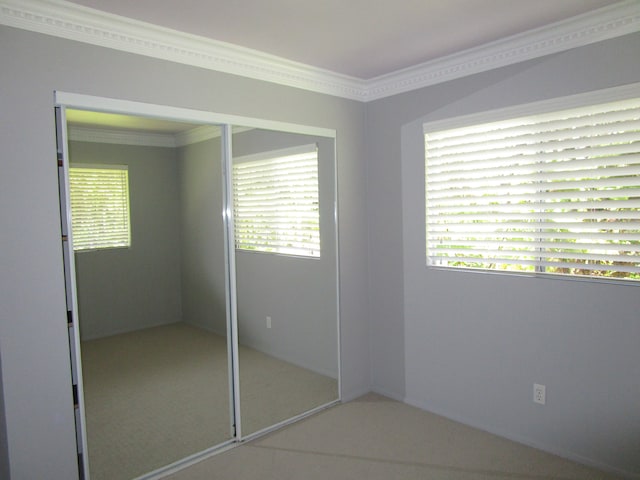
{"x":473,"y":344}
{"x":468,"y":346}
{"x":4,"y":452}
{"x":126,"y":289}
{"x":39,"y":412}
{"x":202,"y":230}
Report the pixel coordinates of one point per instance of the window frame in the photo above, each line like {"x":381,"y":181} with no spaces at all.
{"x":516,"y":112}
{"x":105,"y":245}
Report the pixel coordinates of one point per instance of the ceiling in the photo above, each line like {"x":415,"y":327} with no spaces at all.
{"x":363,"y":39}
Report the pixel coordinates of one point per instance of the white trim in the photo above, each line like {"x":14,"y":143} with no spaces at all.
{"x":602,"y":24}
{"x":112,"y":105}
{"x":233,"y":344}
{"x":336,"y":237}
{"x":425,"y":405}
{"x":67,"y":20}
{"x":72,"y":288}
{"x":100,"y":135}
{"x":80,"y":133}
{"x":595,"y":97}
{"x":202,"y":133}
{"x":189,"y":461}
{"x":288,"y":421}
{"x":74,"y":22}
{"x":197,"y":134}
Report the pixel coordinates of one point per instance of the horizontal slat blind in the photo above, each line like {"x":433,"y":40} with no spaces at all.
{"x":276,"y":202}
{"x":99,"y":207}
{"x":556,"y":193}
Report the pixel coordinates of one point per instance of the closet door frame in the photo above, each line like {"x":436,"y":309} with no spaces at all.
{"x":66,"y":100}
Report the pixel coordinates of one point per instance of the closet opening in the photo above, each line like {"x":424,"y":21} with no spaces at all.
{"x":182,"y":340}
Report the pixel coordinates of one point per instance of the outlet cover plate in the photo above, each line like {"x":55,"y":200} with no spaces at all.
{"x":539,"y":394}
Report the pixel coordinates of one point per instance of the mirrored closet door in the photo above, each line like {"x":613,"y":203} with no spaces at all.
{"x":148,"y":247}
{"x":201,"y":267}
{"x":285,"y":262}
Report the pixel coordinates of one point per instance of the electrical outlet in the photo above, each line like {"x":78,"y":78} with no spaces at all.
{"x":539,"y":394}
{"x":268,"y":322}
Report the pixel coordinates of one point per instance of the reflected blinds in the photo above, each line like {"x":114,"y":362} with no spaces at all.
{"x":276,"y":202}
{"x":557,"y":192}
{"x":99,"y":207}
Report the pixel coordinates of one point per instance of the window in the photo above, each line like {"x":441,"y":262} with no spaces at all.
{"x":276,"y":202}
{"x":99,"y":207}
{"x":557,"y":192}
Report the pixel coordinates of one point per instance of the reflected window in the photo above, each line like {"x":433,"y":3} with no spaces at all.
{"x":99,"y":206}
{"x":276,"y":202}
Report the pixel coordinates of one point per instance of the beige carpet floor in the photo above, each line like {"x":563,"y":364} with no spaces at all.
{"x":375,"y":438}
{"x":155,"y":396}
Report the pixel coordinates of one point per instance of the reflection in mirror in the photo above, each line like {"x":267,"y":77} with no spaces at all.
{"x":155,"y":293}
{"x":152,"y":309}
{"x":286,"y":275}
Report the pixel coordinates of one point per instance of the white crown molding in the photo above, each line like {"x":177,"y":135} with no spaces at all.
{"x":602,"y":24}
{"x":71,"y":21}
{"x":75,"y":22}
{"x":120,"y":137}
{"x":81,"y":133}
{"x":197,"y":134}
{"x":202,"y":133}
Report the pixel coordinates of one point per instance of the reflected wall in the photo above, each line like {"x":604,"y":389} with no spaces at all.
{"x":153,"y":316}
{"x":287,"y":305}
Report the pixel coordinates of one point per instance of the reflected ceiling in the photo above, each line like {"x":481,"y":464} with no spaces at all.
{"x":113,"y":121}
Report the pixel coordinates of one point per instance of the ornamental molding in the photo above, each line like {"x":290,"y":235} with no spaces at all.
{"x":201,"y":133}
{"x":75,"y":22}
{"x":120,"y":137}
{"x":204,"y":132}
{"x":602,"y":24}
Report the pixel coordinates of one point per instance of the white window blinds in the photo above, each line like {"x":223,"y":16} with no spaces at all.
{"x":556,"y":193}
{"x":276,"y":202}
{"x":99,"y":207}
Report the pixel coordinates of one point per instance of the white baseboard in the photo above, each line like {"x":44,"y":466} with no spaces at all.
{"x":388,"y":393}
{"x":350,"y":395}
{"x":552,"y":449}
